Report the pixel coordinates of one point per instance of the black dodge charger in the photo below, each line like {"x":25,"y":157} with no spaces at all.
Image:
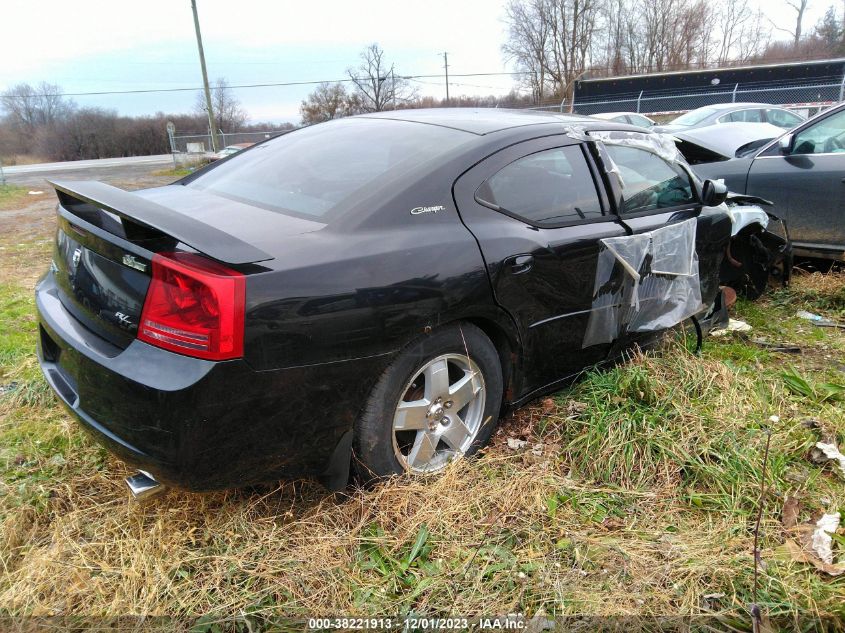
{"x":372,"y":291}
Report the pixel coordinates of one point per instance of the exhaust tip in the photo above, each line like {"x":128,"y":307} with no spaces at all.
{"x":143,"y":486}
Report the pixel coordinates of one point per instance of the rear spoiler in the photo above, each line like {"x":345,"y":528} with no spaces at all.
{"x":198,"y":235}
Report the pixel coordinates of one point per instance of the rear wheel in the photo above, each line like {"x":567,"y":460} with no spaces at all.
{"x":438,"y":401}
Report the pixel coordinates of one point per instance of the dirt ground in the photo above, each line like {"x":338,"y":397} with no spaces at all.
{"x":27,"y":231}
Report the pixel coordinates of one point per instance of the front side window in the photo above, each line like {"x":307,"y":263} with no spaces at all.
{"x":782,"y":118}
{"x":649,"y":182}
{"x":547,"y":188}
{"x":825,"y":137}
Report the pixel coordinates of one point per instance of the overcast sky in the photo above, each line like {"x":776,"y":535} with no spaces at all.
{"x":108,"y":45}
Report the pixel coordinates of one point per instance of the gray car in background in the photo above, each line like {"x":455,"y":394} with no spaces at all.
{"x":803,"y":173}
{"x":732,"y":113}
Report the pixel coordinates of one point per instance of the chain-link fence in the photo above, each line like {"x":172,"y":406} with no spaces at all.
{"x":201,"y":143}
{"x":796,"y":94}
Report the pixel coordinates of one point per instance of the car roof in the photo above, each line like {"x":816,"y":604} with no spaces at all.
{"x":738,"y":105}
{"x":484,"y":120}
{"x":607,"y":115}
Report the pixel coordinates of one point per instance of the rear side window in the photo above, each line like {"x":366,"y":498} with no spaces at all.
{"x":743,"y":116}
{"x":642,"y":121}
{"x":320,"y":171}
{"x":783,"y":118}
{"x":551,"y":187}
{"x":648,"y":182}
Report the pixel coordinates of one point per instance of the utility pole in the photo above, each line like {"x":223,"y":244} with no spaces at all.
{"x":446,"y":68}
{"x":211,"y":125}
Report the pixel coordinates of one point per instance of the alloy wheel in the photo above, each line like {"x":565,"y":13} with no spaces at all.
{"x":439,"y":414}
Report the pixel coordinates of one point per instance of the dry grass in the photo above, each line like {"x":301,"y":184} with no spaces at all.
{"x":640,"y":501}
{"x":175,"y":172}
{"x":14,"y":196}
{"x":8,"y":160}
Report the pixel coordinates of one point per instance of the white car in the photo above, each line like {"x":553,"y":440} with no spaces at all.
{"x":230,"y":149}
{"x":633,"y":118}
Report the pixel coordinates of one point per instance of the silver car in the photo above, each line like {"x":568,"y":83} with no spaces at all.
{"x":634,"y":118}
{"x":732,"y":113}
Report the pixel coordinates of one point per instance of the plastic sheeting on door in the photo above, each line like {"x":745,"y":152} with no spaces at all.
{"x":644,"y":283}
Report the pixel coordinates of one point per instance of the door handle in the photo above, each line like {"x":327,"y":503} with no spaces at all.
{"x":519,"y":264}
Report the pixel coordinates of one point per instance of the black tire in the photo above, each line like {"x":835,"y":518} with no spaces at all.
{"x":373,"y":442}
{"x":751,"y":279}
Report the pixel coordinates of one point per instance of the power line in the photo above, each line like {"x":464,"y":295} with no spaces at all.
{"x":282,"y":84}
{"x":261,"y":85}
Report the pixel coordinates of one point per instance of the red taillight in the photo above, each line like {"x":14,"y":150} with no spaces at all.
{"x":194,"y":306}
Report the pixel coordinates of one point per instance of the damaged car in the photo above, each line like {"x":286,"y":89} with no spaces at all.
{"x":760,"y":247}
{"x":373,"y":291}
{"x":801,"y":173}
{"x":714,"y":143}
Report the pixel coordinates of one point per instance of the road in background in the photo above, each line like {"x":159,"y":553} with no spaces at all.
{"x":110,"y":169}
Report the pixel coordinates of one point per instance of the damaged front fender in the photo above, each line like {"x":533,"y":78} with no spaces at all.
{"x":755,"y":253}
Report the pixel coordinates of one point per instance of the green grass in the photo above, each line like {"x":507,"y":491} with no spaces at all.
{"x":11,"y":196}
{"x":641,"y":502}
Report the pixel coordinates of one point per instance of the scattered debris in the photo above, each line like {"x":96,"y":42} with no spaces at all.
{"x":816,"y":542}
{"x":822,"y":541}
{"x":537,"y":449}
{"x":799,"y":555}
{"x":823,"y":452}
{"x":728,"y":296}
{"x":8,"y":388}
{"x":817,"y":319}
{"x":734,"y":325}
{"x":791,"y":509}
{"x":811,"y":423}
{"x":776,"y":347}
{"x":575,"y":408}
{"x":515,"y":444}
{"x":35,"y":193}
{"x":57,"y":460}
{"x":548,"y":405}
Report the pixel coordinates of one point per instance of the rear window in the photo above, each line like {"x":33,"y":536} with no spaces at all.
{"x":693,"y":117}
{"x":319,"y":171}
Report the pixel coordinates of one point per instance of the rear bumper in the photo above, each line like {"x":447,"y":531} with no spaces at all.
{"x":198,"y":424}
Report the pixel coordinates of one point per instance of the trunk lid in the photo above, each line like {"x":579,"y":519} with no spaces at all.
{"x":106,"y":238}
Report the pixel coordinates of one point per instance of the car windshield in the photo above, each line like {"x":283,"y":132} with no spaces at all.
{"x":693,"y":117}
{"x":315,"y":171}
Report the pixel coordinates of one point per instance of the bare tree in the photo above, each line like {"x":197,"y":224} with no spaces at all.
{"x":740,"y":32}
{"x":31,"y":107}
{"x":228,"y":114}
{"x":554,"y":39}
{"x":527,"y":44}
{"x":328,"y":101}
{"x":376,"y":83}
{"x":800,"y":7}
